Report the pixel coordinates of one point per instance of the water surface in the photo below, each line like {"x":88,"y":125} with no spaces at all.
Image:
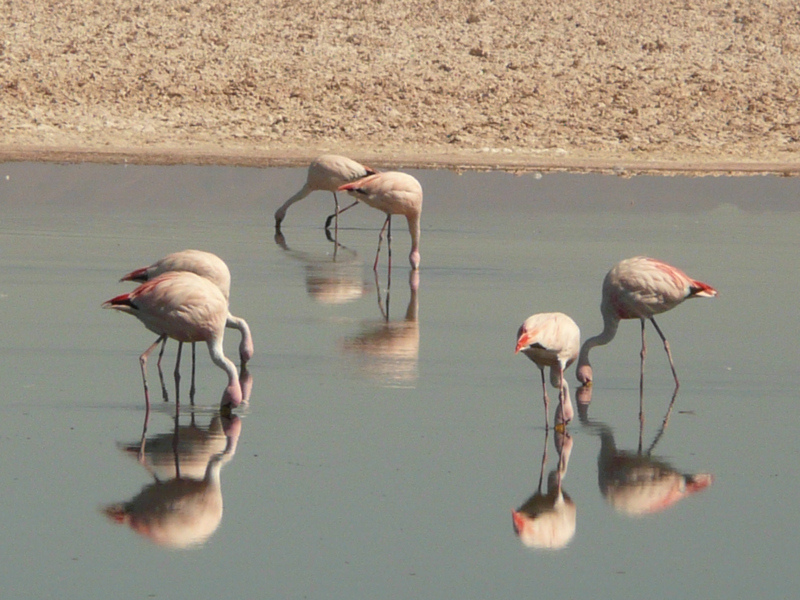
{"x":382,"y":458}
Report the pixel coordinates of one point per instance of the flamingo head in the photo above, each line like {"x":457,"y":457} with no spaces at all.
{"x":233,"y":395}
{"x":246,"y":350}
{"x":414,"y":259}
{"x":585,"y":374}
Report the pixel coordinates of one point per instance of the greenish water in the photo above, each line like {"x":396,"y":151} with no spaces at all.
{"x":383,"y":460}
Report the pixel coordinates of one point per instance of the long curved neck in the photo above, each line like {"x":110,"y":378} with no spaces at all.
{"x":233,"y":393}
{"x":610,"y":325}
{"x":246,"y":345}
{"x":414,"y":229}
{"x":302,"y":193}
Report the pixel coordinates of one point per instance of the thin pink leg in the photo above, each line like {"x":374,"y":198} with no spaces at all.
{"x":546,"y":403}
{"x":669,"y":354}
{"x":192,"y":388}
{"x":641,"y":379}
{"x":143,"y":365}
{"x":380,"y":241}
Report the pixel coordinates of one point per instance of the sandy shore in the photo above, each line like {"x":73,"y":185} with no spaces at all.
{"x":706,"y":86}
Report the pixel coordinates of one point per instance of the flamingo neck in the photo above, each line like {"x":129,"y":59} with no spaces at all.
{"x":302,"y":193}
{"x":246,"y":345}
{"x":233,"y":393}
{"x":610,"y":325}
{"x":414,"y":229}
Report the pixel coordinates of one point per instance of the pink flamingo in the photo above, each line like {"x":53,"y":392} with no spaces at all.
{"x":185,"y":307}
{"x":639,"y":288}
{"x":213,"y":268}
{"x":551,"y":340}
{"x":326,"y":173}
{"x":395,"y":194}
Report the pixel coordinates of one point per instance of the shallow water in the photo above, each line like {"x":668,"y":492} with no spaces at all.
{"x":384,"y":459}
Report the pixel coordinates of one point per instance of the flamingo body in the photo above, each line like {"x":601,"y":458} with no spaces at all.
{"x":205,"y":264}
{"x":551,"y":340}
{"x":325,"y":173}
{"x":394,"y":193}
{"x":640,"y":288}
{"x":187,"y":308}
{"x":209,"y":266}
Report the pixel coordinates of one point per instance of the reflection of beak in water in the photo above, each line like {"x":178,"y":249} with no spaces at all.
{"x":636,"y":483}
{"x":389,"y":351}
{"x":186,"y":509}
{"x":548,"y":521}
{"x":330,"y":279}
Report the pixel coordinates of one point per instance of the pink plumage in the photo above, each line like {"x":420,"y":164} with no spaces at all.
{"x":640,"y":288}
{"x":394,"y":193}
{"x":187,"y":308}
{"x":551,"y":340}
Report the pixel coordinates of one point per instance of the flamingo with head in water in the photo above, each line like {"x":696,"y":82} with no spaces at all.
{"x":551,"y":340}
{"x":213,"y":268}
{"x":187,"y":308}
{"x":640,"y":288}
{"x":326,"y":173}
{"x":394,"y":193}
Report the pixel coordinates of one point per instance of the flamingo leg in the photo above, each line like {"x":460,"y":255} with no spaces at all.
{"x":143,"y":365}
{"x":334,"y":216}
{"x":336,"y":225}
{"x":669,"y":354}
{"x":389,"y":241}
{"x":192,"y":388}
{"x":546,"y":402}
{"x":161,"y":353}
{"x":177,"y":375}
{"x":641,"y":378}
{"x":380,"y":241}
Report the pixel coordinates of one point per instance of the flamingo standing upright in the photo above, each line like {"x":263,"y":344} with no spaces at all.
{"x":395,"y":194}
{"x":639,"y":288}
{"x":326,"y":173}
{"x":213,"y":268}
{"x":551,"y":340}
{"x":187,"y":308}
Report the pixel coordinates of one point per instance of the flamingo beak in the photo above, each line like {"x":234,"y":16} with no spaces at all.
{"x":523,"y":342}
{"x":519,"y":521}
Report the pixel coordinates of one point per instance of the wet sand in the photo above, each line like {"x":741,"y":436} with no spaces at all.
{"x":709,"y":86}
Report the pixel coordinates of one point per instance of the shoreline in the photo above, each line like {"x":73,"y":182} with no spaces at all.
{"x":456,"y":161}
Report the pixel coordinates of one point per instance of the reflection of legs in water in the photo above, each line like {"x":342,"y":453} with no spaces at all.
{"x":384,"y":313}
{"x":664,"y":423}
{"x":176,"y":441}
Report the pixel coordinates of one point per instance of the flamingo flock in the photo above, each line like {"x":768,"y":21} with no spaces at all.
{"x":185,"y":295}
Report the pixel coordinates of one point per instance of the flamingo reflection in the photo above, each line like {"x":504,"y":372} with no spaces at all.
{"x":638,"y":483}
{"x":388,"y":351}
{"x":549,"y":520}
{"x":183,"y":507}
{"x":335,"y":279}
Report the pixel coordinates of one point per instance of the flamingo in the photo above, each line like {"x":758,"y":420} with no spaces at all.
{"x":551,"y":340}
{"x":395,"y":194}
{"x":326,"y":173}
{"x":213,"y":268}
{"x":185,"y":307}
{"x":639,"y":288}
